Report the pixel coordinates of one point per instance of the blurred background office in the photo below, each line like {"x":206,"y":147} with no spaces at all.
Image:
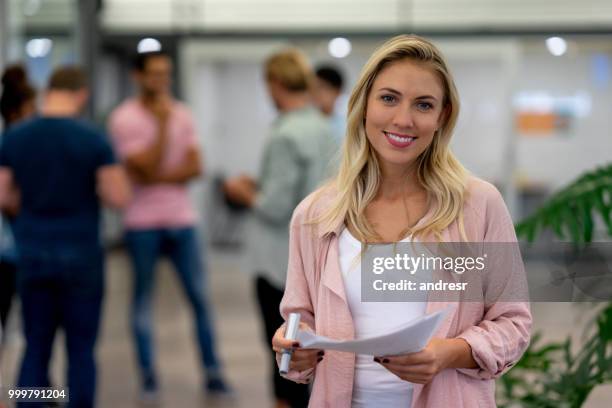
{"x":534,"y":78}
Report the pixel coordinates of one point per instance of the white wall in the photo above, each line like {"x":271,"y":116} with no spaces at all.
{"x":557,"y":159}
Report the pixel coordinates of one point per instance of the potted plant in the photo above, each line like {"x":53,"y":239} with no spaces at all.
{"x":556,"y":375}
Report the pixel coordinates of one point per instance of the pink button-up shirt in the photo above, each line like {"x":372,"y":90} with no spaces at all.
{"x":498,"y":334}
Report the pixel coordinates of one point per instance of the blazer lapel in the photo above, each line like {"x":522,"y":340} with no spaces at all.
{"x":330,"y":270}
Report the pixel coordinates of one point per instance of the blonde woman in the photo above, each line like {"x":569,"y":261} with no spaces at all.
{"x":398,"y":179}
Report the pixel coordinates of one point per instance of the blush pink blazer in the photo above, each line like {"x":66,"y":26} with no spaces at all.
{"x":498,"y":334}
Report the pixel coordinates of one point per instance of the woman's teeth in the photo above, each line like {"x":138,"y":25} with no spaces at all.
{"x":401,"y":139}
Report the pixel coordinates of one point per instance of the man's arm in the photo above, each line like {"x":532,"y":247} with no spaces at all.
{"x":144,"y":166}
{"x":9,"y":193}
{"x":274,"y":198}
{"x":113,"y":186}
{"x":189,"y":168}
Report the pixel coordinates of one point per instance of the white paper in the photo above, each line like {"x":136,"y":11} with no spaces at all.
{"x":410,"y":338}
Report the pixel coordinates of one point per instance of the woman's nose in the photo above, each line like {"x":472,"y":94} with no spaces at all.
{"x":403,"y":118}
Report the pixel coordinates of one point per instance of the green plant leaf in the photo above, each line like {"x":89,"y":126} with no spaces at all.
{"x":587,"y":220}
{"x":569,"y":217}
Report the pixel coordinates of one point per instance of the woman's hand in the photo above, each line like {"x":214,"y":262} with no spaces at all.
{"x":421,"y":367}
{"x":301,"y":359}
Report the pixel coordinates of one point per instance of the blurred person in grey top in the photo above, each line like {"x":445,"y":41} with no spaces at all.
{"x":296,"y":160}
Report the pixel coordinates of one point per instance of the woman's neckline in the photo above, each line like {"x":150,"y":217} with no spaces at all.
{"x":355,"y":242}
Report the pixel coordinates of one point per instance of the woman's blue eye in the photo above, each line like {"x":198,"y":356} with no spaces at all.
{"x":388,"y":98}
{"x":424,"y":106}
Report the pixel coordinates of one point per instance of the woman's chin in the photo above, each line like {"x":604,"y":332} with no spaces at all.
{"x":398,"y":160}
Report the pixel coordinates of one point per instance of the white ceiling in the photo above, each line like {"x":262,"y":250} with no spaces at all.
{"x":326,"y":15}
{"x":355,"y":15}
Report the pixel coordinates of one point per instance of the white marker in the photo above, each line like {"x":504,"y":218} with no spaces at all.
{"x":290,"y":334}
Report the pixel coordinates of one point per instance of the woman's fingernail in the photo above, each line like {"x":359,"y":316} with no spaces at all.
{"x":296,"y":344}
{"x":385,"y":360}
{"x":321,"y":353}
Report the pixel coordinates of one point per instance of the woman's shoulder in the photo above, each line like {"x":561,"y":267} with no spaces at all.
{"x":481,"y":195}
{"x":484,"y":207}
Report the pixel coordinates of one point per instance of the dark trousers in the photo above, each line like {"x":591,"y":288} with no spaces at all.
{"x":269,"y":298}
{"x":61,"y":287}
{"x":8,"y":273}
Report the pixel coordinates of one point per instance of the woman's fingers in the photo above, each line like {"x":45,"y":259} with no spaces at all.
{"x":304,"y":359}
{"x":421,"y":357}
{"x":279,"y":342}
{"x":416,"y":373}
{"x":301,"y":359}
{"x":284,"y":344}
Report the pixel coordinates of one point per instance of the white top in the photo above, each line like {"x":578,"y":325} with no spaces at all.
{"x":374,"y":385}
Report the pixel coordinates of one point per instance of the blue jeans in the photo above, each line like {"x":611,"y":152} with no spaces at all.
{"x":61,"y":286}
{"x":181,"y":246}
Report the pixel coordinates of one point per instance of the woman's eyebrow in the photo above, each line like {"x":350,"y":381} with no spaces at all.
{"x":394,"y":91}
{"x":427,"y":97}
{"x":390,"y":90}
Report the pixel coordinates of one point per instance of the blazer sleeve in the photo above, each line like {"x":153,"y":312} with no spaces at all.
{"x":502,"y":336}
{"x":297,"y":298}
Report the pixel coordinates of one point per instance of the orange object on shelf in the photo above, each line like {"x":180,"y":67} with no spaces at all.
{"x":543,"y":124}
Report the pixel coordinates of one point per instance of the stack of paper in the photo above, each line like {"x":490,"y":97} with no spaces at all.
{"x":410,"y":338}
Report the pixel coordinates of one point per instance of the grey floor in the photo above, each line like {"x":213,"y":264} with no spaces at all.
{"x":239,"y":338}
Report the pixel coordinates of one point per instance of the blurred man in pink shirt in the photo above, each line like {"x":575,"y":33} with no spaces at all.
{"x":155,"y":137}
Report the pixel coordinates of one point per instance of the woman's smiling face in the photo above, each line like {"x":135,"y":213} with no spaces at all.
{"x":404,"y":110}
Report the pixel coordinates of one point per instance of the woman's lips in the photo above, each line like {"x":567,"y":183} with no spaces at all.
{"x":399,"y":140}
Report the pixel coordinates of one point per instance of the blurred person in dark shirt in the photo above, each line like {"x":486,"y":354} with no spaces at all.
{"x":55,"y":171}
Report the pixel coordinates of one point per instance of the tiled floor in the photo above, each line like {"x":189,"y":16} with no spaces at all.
{"x":240,"y":340}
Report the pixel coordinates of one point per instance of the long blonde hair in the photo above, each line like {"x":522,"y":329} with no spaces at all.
{"x":438,"y":171}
